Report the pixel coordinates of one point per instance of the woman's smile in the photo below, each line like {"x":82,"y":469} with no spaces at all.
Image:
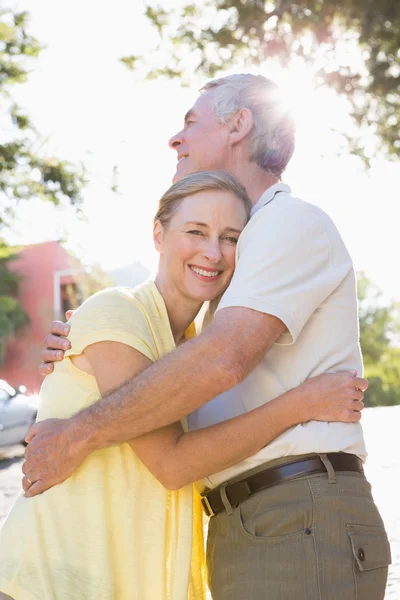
{"x":205,"y":273}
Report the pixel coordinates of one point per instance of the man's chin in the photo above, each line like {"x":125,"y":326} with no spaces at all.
{"x":181,"y":172}
{"x":177,"y":177}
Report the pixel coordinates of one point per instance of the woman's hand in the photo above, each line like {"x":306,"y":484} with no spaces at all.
{"x":334,"y":397}
{"x":55,"y":345}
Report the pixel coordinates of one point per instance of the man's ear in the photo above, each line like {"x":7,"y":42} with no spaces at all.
{"x":240,"y":125}
{"x":158,"y":235}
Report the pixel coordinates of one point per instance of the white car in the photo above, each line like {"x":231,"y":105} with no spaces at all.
{"x":17,"y":413}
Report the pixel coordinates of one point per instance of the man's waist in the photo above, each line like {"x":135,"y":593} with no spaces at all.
{"x":310,"y":438}
{"x":233,"y":492}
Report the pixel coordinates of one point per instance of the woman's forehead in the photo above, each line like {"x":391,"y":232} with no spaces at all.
{"x":205,"y":206}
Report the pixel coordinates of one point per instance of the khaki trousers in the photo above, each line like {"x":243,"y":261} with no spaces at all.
{"x":319,"y":537}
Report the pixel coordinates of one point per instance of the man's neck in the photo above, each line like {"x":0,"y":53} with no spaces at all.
{"x":255,"y":180}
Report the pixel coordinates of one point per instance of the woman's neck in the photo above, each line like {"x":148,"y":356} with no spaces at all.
{"x":181,"y":310}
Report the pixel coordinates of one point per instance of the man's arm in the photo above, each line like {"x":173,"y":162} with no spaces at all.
{"x":173,"y":387}
{"x":187,"y":378}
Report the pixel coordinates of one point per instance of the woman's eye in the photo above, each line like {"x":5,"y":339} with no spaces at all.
{"x":231,"y":240}
{"x":195,"y":232}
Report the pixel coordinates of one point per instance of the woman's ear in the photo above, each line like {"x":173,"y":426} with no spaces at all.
{"x":158,"y":235}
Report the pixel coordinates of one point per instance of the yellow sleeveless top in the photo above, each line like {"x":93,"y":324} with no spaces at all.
{"x":111,"y":531}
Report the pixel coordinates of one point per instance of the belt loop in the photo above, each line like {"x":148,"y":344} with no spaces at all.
{"x":225,"y":500}
{"x":328,"y":466}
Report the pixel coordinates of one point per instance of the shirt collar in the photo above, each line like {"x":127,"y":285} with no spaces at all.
{"x":269,"y":195}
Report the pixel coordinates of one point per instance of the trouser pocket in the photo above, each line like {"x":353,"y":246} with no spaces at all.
{"x":371,"y":552}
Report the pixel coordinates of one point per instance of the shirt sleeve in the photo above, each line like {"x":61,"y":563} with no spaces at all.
{"x":112,"y":315}
{"x":289,"y":260}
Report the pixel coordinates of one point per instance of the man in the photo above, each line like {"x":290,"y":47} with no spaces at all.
{"x":297,"y":520}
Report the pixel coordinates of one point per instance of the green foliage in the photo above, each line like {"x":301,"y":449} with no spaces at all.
{"x":12,"y":318}
{"x":9,"y":281}
{"x":25,"y":170}
{"x":353,"y":47}
{"x":12,"y":315}
{"x":384,"y":379}
{"x":379,"y":329}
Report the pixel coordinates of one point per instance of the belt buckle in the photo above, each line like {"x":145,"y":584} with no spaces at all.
{"x":207,"y":506}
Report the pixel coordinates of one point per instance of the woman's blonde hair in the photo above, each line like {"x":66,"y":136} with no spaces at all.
{"x":195,"y":183}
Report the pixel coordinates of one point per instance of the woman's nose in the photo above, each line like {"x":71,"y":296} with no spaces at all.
{"x":212,"y":251}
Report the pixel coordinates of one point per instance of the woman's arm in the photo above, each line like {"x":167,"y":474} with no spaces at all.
{"x":176,"y":458}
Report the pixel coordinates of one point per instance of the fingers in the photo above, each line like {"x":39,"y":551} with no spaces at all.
{"x":46,"y":368}
{"x":354,"y":416}
{"x":361,"y":383}
{"x":49,"y":356}
{"x":53,"y":351}
{"x":355,"y":382}
{"x":29,"y":438}
{"x":68,"y":315}
{"x":56,"y":342}
{"x":37,"y":488}
{"x":357,"y":406}
{"x":27,"y":482}
{"x":347,"y":411}
{"x":58,"y":328}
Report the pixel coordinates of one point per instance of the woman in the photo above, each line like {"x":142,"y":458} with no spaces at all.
{"x":113,"y":530}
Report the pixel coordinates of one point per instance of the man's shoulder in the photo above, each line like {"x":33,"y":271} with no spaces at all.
{"x":288,"y":217}
{"x":285,"y":209}
{"x":285,"y":202}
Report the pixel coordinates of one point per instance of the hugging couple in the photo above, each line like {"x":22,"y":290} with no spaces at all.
{"x":262,"y":409}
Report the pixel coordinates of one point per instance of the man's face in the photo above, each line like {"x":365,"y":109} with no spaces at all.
{"x":203,"y":143}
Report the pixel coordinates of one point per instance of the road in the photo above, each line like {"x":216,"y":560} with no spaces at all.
{"x":10,"y":478}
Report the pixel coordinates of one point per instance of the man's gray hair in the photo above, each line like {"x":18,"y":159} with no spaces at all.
{"x":272,"y":137}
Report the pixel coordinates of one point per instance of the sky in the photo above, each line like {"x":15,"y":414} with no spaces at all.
{"x":91,"y":109}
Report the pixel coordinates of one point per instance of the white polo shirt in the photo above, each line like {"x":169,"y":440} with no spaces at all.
{"x":292,"y":263}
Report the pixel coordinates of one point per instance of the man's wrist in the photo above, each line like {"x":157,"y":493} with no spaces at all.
{"x":84,"y":433}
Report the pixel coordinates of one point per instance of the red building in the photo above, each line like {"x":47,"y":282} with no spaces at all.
{"x":52,"y":282}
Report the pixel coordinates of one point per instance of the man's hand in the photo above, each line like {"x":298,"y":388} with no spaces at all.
{"x":55,"y":345}
{"x":334,"y":397}
{"x":53,"y":453}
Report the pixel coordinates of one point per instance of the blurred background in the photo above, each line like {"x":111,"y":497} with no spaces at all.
{"x":90,"y":93}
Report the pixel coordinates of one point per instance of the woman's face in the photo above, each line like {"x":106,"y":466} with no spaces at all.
{"x":198,"y":245}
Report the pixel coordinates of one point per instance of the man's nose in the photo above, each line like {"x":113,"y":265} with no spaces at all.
{"x":175,"y":141}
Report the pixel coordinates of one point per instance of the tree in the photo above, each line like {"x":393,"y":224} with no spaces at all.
{"x":12,"y":315}
{"x":379,"y":328}
{"x":353,"y":47}
{"x":25,"y":169}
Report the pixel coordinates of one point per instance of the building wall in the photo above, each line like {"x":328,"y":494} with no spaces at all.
{"x":36,"y":264}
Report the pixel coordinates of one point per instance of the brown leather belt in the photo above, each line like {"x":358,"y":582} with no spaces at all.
{"x":241,"y":490}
